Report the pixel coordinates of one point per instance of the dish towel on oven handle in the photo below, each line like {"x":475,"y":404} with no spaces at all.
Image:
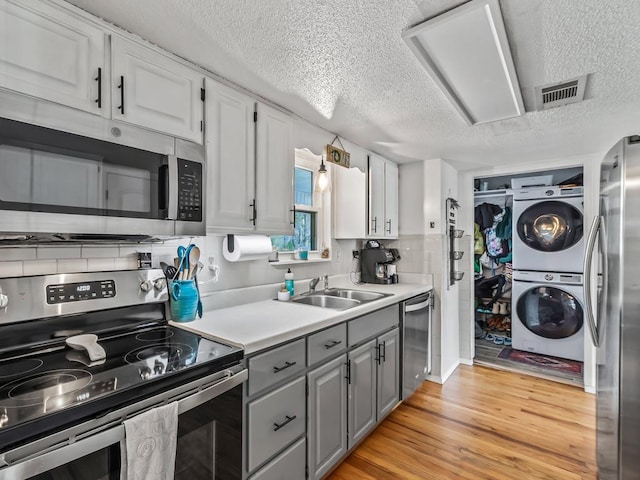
{"x":149,"y":449}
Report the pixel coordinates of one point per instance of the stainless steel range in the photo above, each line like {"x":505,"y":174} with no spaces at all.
{"x":62,"y":406}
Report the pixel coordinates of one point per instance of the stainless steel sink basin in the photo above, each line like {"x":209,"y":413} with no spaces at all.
{"x":355,"y":294}
{"x":338,"y":298}
{"x":326,"y":301}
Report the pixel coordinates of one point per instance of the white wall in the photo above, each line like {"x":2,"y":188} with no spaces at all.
{"x":424,"y":187}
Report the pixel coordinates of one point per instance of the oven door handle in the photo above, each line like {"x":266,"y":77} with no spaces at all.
{"x":40,"y":463}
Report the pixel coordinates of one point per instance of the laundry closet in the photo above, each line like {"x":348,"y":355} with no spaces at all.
{"x":528,"y":266}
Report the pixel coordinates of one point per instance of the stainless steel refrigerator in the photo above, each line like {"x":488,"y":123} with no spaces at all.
{"x":614,"y":243}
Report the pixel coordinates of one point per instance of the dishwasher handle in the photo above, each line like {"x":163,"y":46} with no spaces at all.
{"x":418,"y":306}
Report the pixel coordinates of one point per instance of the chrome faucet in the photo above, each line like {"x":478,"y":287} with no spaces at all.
{"x":325,"y":278}
{"x":312,"y":284}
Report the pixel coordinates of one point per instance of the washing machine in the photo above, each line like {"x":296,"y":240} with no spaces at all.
{"x":547,"y":313}
{"x":548,"y":229}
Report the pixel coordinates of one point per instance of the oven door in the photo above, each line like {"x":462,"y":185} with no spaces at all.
{"x":209,"y":438}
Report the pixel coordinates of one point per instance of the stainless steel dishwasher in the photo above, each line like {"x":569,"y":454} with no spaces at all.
{"x":416,"y":340}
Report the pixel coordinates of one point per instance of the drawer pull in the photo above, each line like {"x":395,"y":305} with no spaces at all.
{"x":332,"y":344}
{"x":278,"y":426}
{"x":286,"y":365}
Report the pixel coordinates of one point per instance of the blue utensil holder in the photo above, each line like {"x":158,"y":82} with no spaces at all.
{"x":184,"y":300}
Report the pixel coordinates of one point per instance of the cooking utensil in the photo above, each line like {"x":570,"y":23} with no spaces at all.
{"x":199,"y":307}
{"x":194,"y":258}
{"x":170,"y":272}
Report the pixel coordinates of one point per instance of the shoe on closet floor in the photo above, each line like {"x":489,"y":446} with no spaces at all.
{"x":496,"y":308}
{"x":503,"y":309}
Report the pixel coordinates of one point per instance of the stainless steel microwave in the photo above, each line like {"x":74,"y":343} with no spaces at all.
{"x":60,"y":185}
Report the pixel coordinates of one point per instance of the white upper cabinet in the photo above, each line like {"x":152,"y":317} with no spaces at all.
{"x":383,"y":198}
{"x":154,"y":91}
{"x":391,"y":200}
{"x":275,"y":159}
{"x":50,"y":53}
{"x":230,"y":144}
{"x":350,"y":203}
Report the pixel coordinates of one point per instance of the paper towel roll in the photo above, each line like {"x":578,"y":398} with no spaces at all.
{"x":246,"y":247}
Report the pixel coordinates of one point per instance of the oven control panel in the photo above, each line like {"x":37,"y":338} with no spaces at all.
{"x":73,"y":292}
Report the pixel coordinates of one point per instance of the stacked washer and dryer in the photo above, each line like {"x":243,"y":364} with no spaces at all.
{"x":548,"y":252}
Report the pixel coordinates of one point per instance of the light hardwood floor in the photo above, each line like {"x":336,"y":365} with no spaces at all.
{"x":482,"y":424}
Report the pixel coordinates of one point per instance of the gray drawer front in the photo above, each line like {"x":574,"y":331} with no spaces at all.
{"x":326,"y":343}
{"x":372,"y":324}
{"x":274,"y":421}
{"x":269,"y":368}
{"x":289,"y":465}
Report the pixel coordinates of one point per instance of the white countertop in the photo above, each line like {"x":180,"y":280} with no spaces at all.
{"x":263,"y":324}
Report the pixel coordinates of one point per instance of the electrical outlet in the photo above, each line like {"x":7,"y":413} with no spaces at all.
{"x":432,"y":224}
{"x":356,"y":253}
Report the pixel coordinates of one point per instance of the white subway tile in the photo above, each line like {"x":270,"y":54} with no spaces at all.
{"x":11,"y":269}
{"x":40,"y":267}
{"x":57,"y":253}
{"x":100,"y":264}
{"x":17,"y":253}
{"x":126,"y":263}
{"x":100,"y":252}
{"x":72,"y":266}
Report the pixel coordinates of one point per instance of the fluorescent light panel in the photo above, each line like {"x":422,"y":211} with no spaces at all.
{"x":466,"y":52}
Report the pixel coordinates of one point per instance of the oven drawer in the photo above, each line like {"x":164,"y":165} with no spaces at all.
{"x":326,"y":343}
{"x":269,"y":368}
{"x":289,"y":465}
{"x":274,"y":421}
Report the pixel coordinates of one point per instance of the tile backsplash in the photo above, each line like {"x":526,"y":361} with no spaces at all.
{"x":47,"y":259}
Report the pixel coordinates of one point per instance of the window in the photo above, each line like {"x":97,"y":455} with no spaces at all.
{"x":310,"y":229}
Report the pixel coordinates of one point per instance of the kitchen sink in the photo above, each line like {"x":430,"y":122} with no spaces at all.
{"x":354,"y":294}
{"x":338,"y":298}
{"x":326,"y":301}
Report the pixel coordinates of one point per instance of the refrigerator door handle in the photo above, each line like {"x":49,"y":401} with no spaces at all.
{"x":588,"y":260}
{"x":603,"y":295}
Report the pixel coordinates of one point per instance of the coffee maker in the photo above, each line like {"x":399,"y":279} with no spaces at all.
{"x":374,"y":260}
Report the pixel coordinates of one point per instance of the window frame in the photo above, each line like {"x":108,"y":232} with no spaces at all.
{"x":321,"y":205}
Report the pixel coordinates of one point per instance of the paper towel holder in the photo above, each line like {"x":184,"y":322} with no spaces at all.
{"x":230,"y":242}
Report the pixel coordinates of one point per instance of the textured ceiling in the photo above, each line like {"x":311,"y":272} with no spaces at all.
{"x":342,"y":64}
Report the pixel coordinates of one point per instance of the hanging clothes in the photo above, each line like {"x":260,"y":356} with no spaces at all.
{"x":484,"y":213}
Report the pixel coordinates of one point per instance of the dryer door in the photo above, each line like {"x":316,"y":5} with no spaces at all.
{"x":550,"y":312}
{"x":550,"y":226}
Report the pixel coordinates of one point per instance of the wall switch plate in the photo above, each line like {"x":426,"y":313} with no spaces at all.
{"x":432,"y":224}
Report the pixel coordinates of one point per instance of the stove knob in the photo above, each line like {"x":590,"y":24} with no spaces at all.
{"x":160,"y":283}
{"x":4,"y":300}
{"x":146,"y":286}
{"x":145,"y":373}
{"x":4,"y":418}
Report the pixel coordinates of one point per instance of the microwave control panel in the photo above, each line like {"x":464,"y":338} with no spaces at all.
{"x":189,"y":191}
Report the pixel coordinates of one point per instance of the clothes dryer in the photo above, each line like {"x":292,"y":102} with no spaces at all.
{"x":548,"y":314}
{"x":548,"y":229}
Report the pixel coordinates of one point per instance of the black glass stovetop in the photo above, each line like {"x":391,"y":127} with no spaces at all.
{"x":57,"y":385}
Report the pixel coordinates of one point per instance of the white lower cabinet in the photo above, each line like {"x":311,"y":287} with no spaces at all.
{"x":326,"y":416}
{"x":289,"y":465}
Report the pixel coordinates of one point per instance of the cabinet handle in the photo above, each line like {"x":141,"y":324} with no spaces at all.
{"x":389,"y":228}
{"x":286,"y":365}
{"x":377,"y":349}
{"x":254,"y":212}
{"x":332,"y":344}
{"x":375,"y":224}
{"x":348,"y":377}
{"x":293,"y":222}
{"x":278,"y":426}
{"x":121,"y":87}
{"x":383,"y":352}
{"x":99,"y":80}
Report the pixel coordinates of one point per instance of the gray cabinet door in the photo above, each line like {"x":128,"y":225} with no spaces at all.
{"x":388,"y":371}
{"x":361,"y":370}
{"x":327,"y":416}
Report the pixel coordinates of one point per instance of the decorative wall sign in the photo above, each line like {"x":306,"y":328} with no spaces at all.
{"x":339,"y":156}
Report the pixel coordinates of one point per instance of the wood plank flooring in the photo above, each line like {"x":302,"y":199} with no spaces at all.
{"x":482,"y":424}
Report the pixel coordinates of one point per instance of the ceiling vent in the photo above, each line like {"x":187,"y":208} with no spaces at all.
{"x":562,"y":93}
